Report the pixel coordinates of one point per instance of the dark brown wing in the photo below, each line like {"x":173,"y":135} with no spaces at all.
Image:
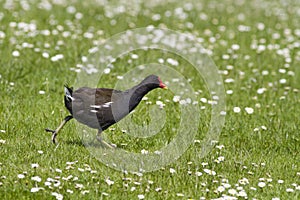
{"x":92,"y":107}
{"x":106,"y":98}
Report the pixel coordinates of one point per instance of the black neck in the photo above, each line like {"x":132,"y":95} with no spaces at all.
{"x":137,"y":93}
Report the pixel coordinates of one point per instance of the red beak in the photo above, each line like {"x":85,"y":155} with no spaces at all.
{"x":162,"y":85}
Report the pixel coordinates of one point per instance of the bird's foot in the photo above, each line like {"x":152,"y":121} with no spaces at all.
{"x":54,"y":134}
{"x":111,"y":146}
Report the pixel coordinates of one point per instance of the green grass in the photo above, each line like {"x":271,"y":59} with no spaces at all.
{"x":249,"y":151}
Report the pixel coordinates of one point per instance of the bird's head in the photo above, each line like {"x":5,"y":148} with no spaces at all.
{"x":154,"y":82}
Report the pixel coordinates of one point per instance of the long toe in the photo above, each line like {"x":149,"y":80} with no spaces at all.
{"x":105,"y":144}
{"x":49,"y":130}
{"x":54,"y":137}
{"x":113,"y":145}
{"x":108,"y":145}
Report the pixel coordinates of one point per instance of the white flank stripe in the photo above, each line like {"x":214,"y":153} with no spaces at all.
{"x":105,"y":105}
{"x":95,"y":106}
{"x":108,"y":103}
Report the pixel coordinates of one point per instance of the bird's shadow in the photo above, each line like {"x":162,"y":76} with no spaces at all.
{"x":75,"y":142}
{"x":81,"y":143}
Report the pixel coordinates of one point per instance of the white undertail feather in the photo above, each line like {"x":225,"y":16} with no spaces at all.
{"x":68,"y":94}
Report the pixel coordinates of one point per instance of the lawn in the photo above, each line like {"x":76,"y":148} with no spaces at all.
{"x":227,"y":127}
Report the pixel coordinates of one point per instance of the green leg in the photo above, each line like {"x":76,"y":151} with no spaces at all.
{"x":55,"y":132}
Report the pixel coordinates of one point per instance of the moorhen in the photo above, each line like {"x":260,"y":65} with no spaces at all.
{"x":99,"y":108}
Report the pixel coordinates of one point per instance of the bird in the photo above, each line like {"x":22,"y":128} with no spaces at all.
{"x":99,"y":108}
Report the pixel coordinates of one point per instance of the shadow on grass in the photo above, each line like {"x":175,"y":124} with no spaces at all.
{"x":94,"y":144}
{"x":75,"y":142}
{"x":79,"y":142}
